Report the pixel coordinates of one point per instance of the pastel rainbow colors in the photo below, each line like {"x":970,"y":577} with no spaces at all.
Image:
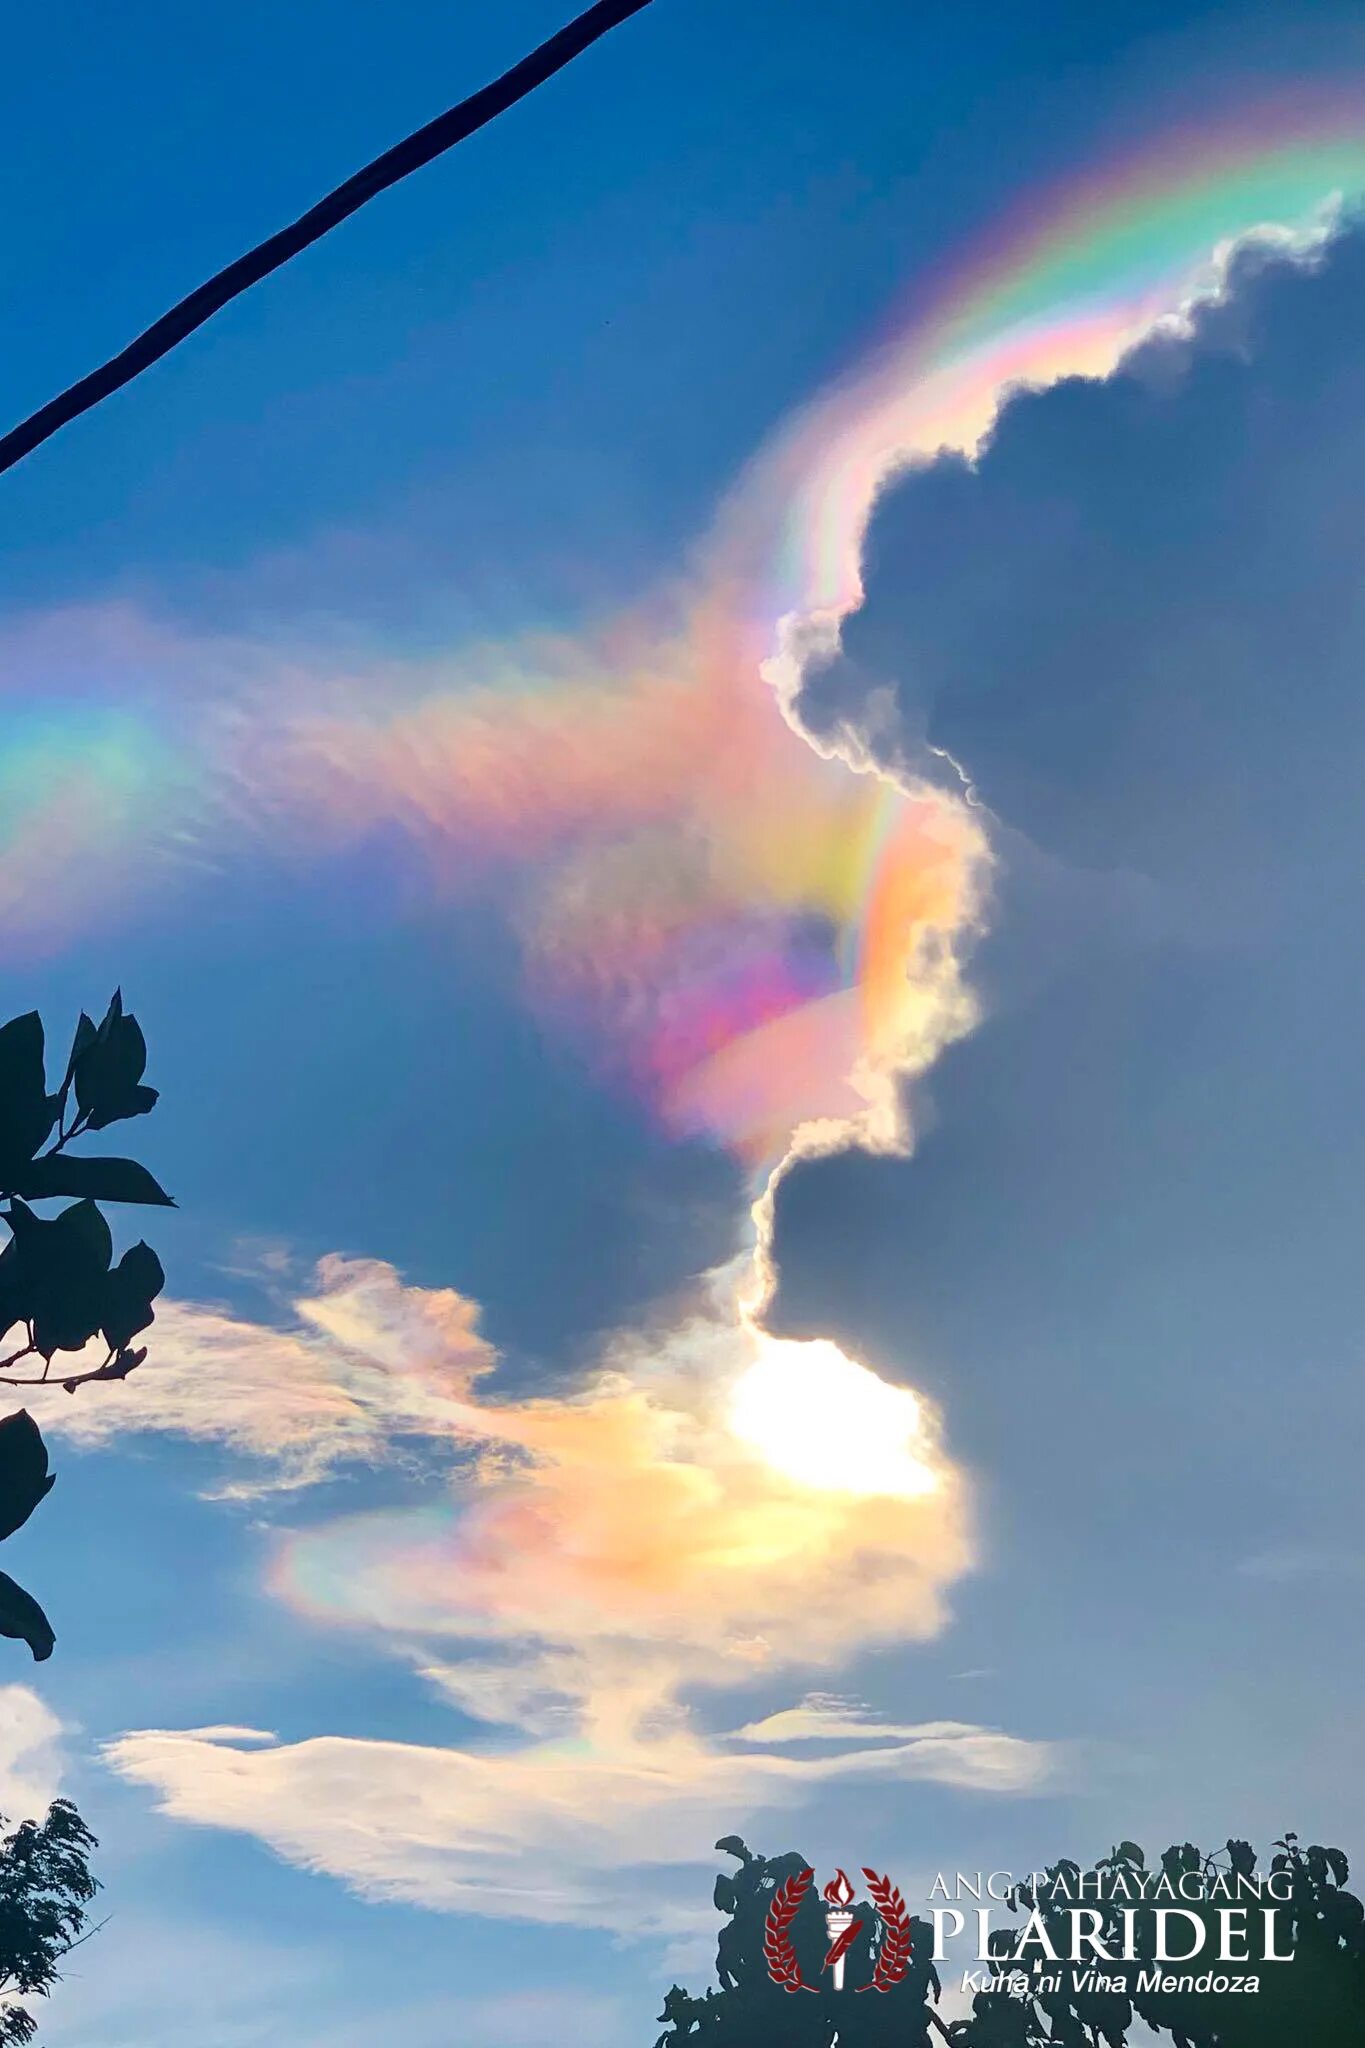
{"x":753,"y":938}
{"x":1064,"y":286}
{"x":1066,"y":281}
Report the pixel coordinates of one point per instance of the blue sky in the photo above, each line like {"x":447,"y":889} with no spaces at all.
{"x":497,"y":410}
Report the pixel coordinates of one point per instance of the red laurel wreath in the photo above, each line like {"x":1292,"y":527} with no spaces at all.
{"x":778,"y":1953}
{"x":893,"y":1953}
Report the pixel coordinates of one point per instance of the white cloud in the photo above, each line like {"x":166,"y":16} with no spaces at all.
{"x":31,"y":1764}
{"x":979,"y":1753}
{"x":603,"y":1552}
{"x":552,"y":1831}
{"x":356,"y":1363}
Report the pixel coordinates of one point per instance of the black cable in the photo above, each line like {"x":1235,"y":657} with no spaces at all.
{"x":396,"y":163}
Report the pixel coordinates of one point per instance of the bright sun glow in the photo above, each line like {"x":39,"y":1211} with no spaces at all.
{"x":824,"y":1420}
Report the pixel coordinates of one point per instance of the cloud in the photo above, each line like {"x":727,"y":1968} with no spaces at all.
{"x":714,"y":1504}
{"x":725,"y":1499}
{"x":825,"y":1717}
{"x":1136,"y":617}
{"x":626,"y":798}
{"x":355,"y":1365}
{"x":31,"y":1762}
{"x":600,"y":1555}
{"x":555,"y":1831}
{"x":604,"y":1554}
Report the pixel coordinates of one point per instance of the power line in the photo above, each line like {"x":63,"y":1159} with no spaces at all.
{"x":229,"y":283}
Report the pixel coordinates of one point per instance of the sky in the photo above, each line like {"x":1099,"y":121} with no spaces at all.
{"x":718,"y":748}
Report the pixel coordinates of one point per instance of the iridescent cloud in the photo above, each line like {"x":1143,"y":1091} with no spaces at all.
{"x":761,"y":942}
{"x":702,"y":1513}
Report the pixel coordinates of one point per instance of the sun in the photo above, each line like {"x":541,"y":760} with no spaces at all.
{"x":818,"y":1417}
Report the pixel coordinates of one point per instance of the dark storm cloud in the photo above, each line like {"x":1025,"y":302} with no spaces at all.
{"x":1139,"y":619}
{"x":1125,"y":1255}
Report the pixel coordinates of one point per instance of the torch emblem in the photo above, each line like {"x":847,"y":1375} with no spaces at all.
{"x":842,"y":1928}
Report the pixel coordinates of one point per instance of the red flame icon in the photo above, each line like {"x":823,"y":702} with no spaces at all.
{"x":838,"y":1892}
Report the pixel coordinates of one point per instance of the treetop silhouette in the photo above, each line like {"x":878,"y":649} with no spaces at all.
{"x":1316,"y":2000}
{"x":59,"y":1284}
{"x":45,"y":1891}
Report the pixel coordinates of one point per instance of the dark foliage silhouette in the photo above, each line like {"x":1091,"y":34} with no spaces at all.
{"x":45,"y":1891}
{"x":60,"y":1288}
{"x":409,"y":155}
{"x":750,"y":2010}
{"x":1317,"y":2000}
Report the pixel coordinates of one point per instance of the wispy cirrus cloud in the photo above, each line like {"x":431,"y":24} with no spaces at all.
{"x":554,"y":1831}
{"x":331,"y":1382}
{"x":31,"y":1760}
{"x":969,"y":1754}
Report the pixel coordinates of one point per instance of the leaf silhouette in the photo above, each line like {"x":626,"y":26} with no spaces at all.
{"x":63,"y":1264}
{"x":107,"y":1070}
{"x":27,"y":1111}
{"x":24,"y":1477}
{"x":23,"y":1619}
{"x":101,"y":1180}
{"x":129,"y":1292}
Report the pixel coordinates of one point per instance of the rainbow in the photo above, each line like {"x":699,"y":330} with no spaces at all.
{"x":749,"y":936}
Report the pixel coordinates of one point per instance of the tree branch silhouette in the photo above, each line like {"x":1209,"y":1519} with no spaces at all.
{"x":400,"y":162}
{"x":58,"y":1279}
{"x":1305,"y":1984}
